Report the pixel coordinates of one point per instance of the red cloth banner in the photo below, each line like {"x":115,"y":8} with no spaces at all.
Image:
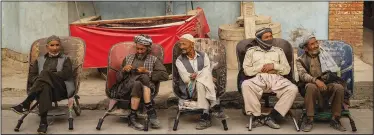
{"x":99,"y":40}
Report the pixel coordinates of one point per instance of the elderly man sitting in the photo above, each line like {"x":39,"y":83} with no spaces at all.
{"x":267,"y":64}
{"x":194,"y":69}
{"x":312,"y":66}
{"x":50,"y":76}
{"x":139,"y":72}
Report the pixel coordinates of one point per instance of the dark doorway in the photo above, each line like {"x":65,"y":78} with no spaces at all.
{"x":369,"y":14}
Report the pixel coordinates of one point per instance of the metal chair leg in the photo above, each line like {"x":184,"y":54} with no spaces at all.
{"x":146,"y":123}
{"x":224,"y":123}
{"x":20,"y":121}
{"x":101,"y":120}
{"x":294,"y":121}
{"x":176,"y":121}
{"x":352,"y":122}
{"x":250,"y":123}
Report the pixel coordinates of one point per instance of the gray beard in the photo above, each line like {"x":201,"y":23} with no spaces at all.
{"x":51,"y":54}
{"x":140,"y":56}
{"x":314,"y":53}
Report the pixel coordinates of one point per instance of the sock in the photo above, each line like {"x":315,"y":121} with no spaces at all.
{"x":26,"y":103}
{"x":150,"y":109}
{"x":133,"y":112}
{"x":205,"y":115}
{"x":274,"y":113}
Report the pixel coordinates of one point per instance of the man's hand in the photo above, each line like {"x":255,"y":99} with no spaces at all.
{"x":272,"y":72}
{"x":267,"y":67}
{"x":321,"y":85}
{"x":127,"y":68}
{"x":193,"y":76}
{"x":142,"y":70}
{"x":214,"y":80}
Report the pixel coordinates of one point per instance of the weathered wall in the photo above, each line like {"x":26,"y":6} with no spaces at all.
{"x":117,"y":10}
{"x":217,"y":13}
{"x":10,"y":26}
{"x":346,"y":23}
{"x":85,"y":9}
{"x":25,"y":22}
{"x":293,"y":15}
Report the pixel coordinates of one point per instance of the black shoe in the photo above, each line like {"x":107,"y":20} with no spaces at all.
{"x":20,"y":109}
{"x":336,"y":124}
{"x":42,"y":128}
{"x":134,"y":124}
{"x":271,"y":123}
{"x":307,"y":126}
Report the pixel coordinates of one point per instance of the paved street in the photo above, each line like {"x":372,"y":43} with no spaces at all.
{"x":86,"y":123}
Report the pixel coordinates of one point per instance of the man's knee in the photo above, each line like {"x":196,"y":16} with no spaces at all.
{"x":338,"y":88}
{"x":144,"y":78}
{"x":246,"y":84}
{"x":137,"y":89}
{"x":293,"y":89}
{"x":310,"y":88}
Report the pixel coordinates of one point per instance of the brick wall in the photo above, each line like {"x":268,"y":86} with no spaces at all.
{"x":346,"y":23}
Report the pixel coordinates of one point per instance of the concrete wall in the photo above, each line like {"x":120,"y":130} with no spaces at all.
{"x":10,"y":26}
{"x":217,"y":13}
{"x":117,"y":10}
{"x":86,"y":9}
{"x":294,"y":15}
{"x":25,"y":22}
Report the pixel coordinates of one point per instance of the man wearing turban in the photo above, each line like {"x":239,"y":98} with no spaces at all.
{"x":267,"y":64}
{"x":140,"y":70}
{"x":311,"y":66}
{"x":50,"y":78}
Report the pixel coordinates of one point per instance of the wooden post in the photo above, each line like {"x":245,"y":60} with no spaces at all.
{"x":249,"y":19}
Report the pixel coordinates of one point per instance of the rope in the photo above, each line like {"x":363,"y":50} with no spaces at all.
{"x":76,"y":7}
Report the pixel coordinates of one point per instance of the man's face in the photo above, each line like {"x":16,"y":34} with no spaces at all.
{"x":186,"y":46}
{"x":313,"y":46}
{"x":53,"y":47}
{"x":141,"y":49}
{"x":267,"y":36}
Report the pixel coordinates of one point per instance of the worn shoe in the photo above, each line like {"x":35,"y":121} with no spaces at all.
{"x":336,"y":124}
{"x":203,"y":124}
{"x":19,"y":109}
{"x":155,"y":123}
{"x":134,"y":124}
{"x":307,"y":126}
{"x":256,"y":122}
{"x":269,"y":121}
{"x":42,"y":128}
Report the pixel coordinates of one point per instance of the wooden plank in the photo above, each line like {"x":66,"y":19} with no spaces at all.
{"x":128,"y":20}
{"x":87,"y":19}
{"x":248,"y":8}
{"x":249,"y":26}
{"x":249,"y":19}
